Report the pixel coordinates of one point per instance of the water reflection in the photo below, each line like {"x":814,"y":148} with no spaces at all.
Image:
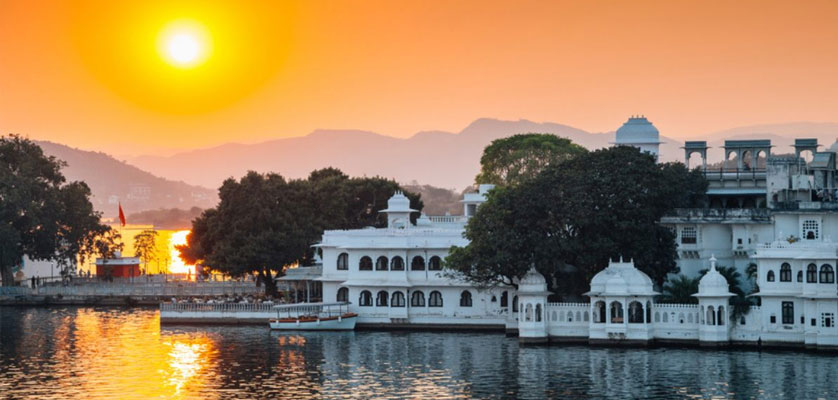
{"x":112,"y":353}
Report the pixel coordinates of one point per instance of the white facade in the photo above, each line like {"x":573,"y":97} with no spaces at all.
{"x":393,"y":276}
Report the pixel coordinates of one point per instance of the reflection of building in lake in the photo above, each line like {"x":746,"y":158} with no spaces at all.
{"x":774,"y":215}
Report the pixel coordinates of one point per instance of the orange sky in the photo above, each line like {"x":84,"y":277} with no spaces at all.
{"x":87,"y":74}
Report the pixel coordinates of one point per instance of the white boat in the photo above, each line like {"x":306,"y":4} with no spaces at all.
{"x":314,"y":317}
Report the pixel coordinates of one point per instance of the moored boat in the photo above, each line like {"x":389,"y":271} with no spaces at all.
{"x":314,"y":317}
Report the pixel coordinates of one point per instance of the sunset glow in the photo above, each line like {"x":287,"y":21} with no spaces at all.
{"x":185,"y":44}
{"x":178,"y":266}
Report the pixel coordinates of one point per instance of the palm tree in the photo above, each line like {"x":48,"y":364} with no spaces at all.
{"x":680,"y":290}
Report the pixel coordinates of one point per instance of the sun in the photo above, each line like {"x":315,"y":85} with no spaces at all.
{"x":184,"y":43}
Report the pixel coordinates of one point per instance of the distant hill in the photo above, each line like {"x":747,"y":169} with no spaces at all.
{"x":441,"y":159}
{"x":113,"y":181}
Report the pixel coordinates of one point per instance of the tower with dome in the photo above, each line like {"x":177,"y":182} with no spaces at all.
{"x":639,"y":132}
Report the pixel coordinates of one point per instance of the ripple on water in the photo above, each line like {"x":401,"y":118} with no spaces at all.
{"x":94,"y":353}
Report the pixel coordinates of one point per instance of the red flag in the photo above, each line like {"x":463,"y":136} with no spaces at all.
{"x":121,"y":215}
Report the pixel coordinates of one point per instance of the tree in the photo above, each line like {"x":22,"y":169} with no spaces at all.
{"x":680,"y":290}
{"x":45,"y":218}
{"x":519,"y":158}
{"x":263,"y":223}
{"x":145,"y":246}
{"x":572,"y":218}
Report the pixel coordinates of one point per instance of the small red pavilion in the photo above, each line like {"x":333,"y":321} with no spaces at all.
{"x":118,"y":267}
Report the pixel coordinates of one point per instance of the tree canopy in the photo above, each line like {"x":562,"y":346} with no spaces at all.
{"x":519,"y":158}
{"x":576,"y":215}
{"x":265,"y":223}
{"x":44,"y":217}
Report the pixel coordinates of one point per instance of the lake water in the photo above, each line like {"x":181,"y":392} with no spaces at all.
{"x":95,"y":353}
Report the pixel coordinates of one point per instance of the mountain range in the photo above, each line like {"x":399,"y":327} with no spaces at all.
{"x":113,"y":182}
{"x":442,"y":159}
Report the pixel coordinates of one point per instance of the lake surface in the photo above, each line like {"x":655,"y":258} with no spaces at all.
{"x":103,"y":353}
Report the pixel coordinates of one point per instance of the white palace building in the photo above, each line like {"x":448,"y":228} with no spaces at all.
{"x":777,"y":213}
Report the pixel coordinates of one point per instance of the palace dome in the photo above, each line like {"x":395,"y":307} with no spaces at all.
{"x":398,"y":203}
{"x":532,"y":283}
{"x":713,"y":283}
{"x":621,"y":279}
{"x":637,"y":130}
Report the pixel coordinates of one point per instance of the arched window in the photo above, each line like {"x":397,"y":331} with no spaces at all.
{"x":800,"y":276}
{"x":585,"y":315}
{"x":720,"y":319}
{"x":365,"y":264}
{"x":812,"y":273}
{"x":515,"y":304}
{"x":381,"y":264}
{"x":770,"y":276}
{"x":690,"y":318}
{"x":397,"y":264}
{"x":418,"y":264}
{"x":555,"y":317}
{"x":435,"y":299}
{"x":417,"y":299}
{"x":616,"y":312}
{"x":343,"y":294}
{"x":599,"y":312}
{"x":343,"y":262}
{"x":657,"y":316}
{"x":397,"y":300}
{"x":538,"y":313}
{"x":435,"y":264}
{"x":666,"y":317}
{"x":578,"y":316}
{"x":465,"y":299}
{"x":504,"y":299}
{"x":635,"y":313}
{"x":381,"y":298}
{"x":528,"y":312}
{"x":827,"y":274}
{"x":785,"y":272}
{"x":681,"y":318}
{"x":711,"y":316}
{"x":365,"y":299}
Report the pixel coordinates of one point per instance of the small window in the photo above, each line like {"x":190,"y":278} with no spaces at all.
{"x":397,"y":264}
{"x":417,"y":299}
{"x":381,"y":264}
{"x":515,"y":304}
{"x":381,"y":298}
{"x":689,"y":235}
{"x":343,"y":294}
{"x":465,"y":299}
{"x":785,"y":273}
{"x":538,"y":313}
{"x":800,"y":276}
{"x":504,"y":299}
{"x":365,"y":299}
{"x":827,"y":320}
{"x":788,"y":312}
{"x":343,"y":262}
{"x":773,"y":319}
{"x":435,"y":299}
{"x":365,"y":264}
{"x":418,"y":264}
{"x":814,"y":322}
{"x":435,"y":264}
{"x":397,"y":300}
{"x":812,"y":273}
{"x":811,"y":229}
{"x":827,"y":274}
{"x":770,"y":277}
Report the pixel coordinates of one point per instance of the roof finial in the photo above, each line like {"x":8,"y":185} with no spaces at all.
{"x":713,"y":262}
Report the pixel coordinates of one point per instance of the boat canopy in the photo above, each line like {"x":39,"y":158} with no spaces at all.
{"x":309,"y":305}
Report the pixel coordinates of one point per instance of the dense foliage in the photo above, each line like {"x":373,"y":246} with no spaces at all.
{"x":265,"y":223}
{"x":44,"y":217}
{"x":571,"y":218}
{"x":516,"y":159}
{"x":680,"y":290}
